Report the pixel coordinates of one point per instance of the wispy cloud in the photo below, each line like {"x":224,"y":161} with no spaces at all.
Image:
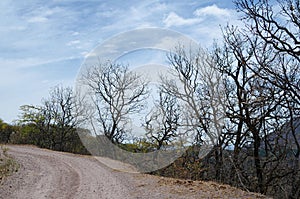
{"x":44,"y":42}
{"x":204,"y":24}
{"x":28,"y":62}
{"x":37,"y":19}
{"x":201,"y":15}
{"x":173,"y":19}
{"x":213,"y":10}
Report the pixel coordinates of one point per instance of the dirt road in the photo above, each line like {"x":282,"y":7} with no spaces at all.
{"x":47,"y":174}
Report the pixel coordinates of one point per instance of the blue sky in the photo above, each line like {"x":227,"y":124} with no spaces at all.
{"x":43,"y":43}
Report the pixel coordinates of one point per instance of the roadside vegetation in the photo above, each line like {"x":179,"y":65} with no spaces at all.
{"x":7,"y":164}
{"x":242,"y":97}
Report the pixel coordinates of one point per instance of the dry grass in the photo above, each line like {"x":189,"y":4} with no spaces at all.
{"x":168,"y":188}
{"x":7,"y":164}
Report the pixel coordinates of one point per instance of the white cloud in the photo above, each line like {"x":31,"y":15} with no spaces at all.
{"x":212,"y":10}
{"x":200,"y":15}
{"x":137,"y":15}
{"x":74,"y":42}
{"x":37,"y":19}
{"x":23,"y":63}
{"x":40,"y":35}
{"x":108,"y":13}
{"x":13,"y":28}
{"x":43,"y":14}
{"x":75,"y":33}
{"x":174,"y":20}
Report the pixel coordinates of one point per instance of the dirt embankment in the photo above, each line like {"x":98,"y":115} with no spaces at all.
{"x":47,"y":174}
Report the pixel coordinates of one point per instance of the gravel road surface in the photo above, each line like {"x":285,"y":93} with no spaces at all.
{"x":48,"y":174}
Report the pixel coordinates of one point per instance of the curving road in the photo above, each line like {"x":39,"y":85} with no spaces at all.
{"x":48,"y":174}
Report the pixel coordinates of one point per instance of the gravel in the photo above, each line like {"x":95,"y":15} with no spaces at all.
{"x":47,"y":174}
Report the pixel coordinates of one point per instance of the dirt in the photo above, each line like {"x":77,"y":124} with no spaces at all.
{"x":48,"y":174}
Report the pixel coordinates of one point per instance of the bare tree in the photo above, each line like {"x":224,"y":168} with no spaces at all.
{"x":162,"y":122}
{"x":251,"y":103}
{"x":64,"y":111}
{"x":277,"y":32}
{"x":275,"y":36}
{"x":279,"y":29}
{"x":260,"y":100}
{"x":258,"y":68}
{"x":116,"y":94}
{"x":196,"y":85}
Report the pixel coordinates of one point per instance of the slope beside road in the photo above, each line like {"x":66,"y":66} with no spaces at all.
{"x":48,"y":174}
